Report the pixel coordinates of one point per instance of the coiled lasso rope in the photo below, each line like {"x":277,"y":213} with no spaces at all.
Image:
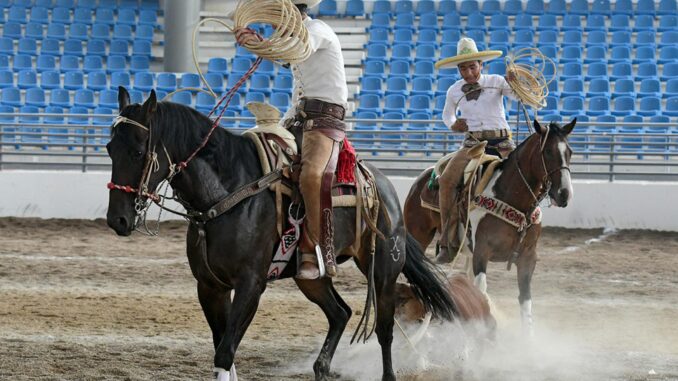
{"x":529,"y":83}
{"x":289,"y":42}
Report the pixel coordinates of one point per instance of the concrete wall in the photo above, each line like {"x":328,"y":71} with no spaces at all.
{"x":621,"y":205}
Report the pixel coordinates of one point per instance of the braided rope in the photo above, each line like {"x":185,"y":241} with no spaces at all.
{"x":529,"y":84}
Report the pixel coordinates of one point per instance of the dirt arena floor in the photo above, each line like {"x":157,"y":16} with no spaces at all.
{"x":79,"y":303}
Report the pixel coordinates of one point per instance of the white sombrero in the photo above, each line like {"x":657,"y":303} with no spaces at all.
{"x":467,"y":51}
{"x":310,"y":3}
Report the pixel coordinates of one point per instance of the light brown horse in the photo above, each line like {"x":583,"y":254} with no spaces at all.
{"x":539,"y":167}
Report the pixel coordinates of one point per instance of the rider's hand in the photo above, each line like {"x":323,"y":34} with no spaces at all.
{"x":460,"y":126}
{"x":510,"y":76}
{"x":243,"y":37}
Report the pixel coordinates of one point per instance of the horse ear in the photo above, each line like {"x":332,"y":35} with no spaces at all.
{"x":123,"y":98}
{"x":538,"y":128}
{"x":570,"y":126}
{"x":150,"y":105}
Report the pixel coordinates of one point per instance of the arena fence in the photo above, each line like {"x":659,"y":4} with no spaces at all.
{"x":611,"y":151}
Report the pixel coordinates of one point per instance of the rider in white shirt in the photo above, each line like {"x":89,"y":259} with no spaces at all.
{"x":478,"y":98}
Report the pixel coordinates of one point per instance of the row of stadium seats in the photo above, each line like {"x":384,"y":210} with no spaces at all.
{"x":28,"y":46}
{"x":356,"y":8}
{"x":45,"y":16}
{"x":82,"y":32}
{"x":86,"y":4}
{"x":21,"y":62}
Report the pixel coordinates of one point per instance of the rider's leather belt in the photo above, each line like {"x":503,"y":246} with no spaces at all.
{"x":488,"y":134}
{"x":315,"y":106}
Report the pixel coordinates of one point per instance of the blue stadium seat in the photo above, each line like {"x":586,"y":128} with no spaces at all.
{"x":84,"y":98}
{"x":573,"y":87}
{"x":669,"y":38}
{"x":404,"y":6}
{"x":621,"y":70}
{"x":572,"y":106}
{"x":394,"y":138}
{"x":524,"y":38}
{"x":104,"y":16}
{"x":254,"y":97}
{"x":579,"y":7}
{"x":395,"y":103}
{"x":371,"y":85}
{"x":643,"y":23}
{"x":167,"y":82}
{"x":260,"y":83}
{"x":60,"y":98}
{"x":355,"y":8}
{"x":624,"y":87}
{"x":671,"y":89}
{"x":554,"y":90}
{"x":513,"y":7}
{"x":127,"y":16}
{"x":400,"y":69}
{"x":572,"y":37}
{"x":548,"y":38}
{"x":476,"y":20}
{"x":669,"y":71}
{"x":11,"y":96}
{"x":31,"y":133}
{"x":27,"y":79}
{"x":571,"y":22}
{"x":667,"y":7}
{"x":381,"y":36}
{"x":405,"y":21}
{"x":478,"y":36}
{"x":443,"y":85}
{"x":35,"y":96}
{"x":375,"y":69}
{"x":93,"y":63}
{"x":422,"y":86}
{"x":361,"y":137}
{"x":70,"y":63}
{"x":282,"y":84}
{"x":145,"y":81}
{"x":551,"y":107}
{"x":425,"y":6}
{"x":620,"y":23}
{"x":382,"y":6}
{"x":447,"y":7}
{"x":45,"y":63}
{"x":620,"y":54}
{"x":8,"y":133}
{"x":74,"y":80}
{"x":671,"y":109}
{"x":119,"y":47}
{"x":646,"y":70}
{"x":596,"y":70}
{"x":646,"y":38}
{"x":425,"y":53}
{"x":601,"y":7}
{"x":12,"y":30}
{"x":61,"y":15}
{"x":450,"y":38}
{"x":491,"y":7}
{"x":205,"y":103}
{"x":22,"y":62}
{"x":402,"y":36}
{"x":623,"y":7}
{"x":73,"y":47}
{"x":571,"y":53}
{"x":624,"y":106}
{"x":428,"y":37}
{"x":17,"y":15}
{"x":467,"y":7}
{"x":620,"y":38}
{"x":28,"y":46}
{"x":548,"y":22}
{"x":599,"y":87}
{"x":81,"y":15}
{"x":534,"y":7}
{"x":499,"y":21}
{"x":6,"y":79}
{"x":190,"y":80}
{"x":451,"y":21}
{"x":66,"y":3}
{"x":523,"y":21}
{"x":139,"y":63}
{"x":668,"y":23}
{"x":183,"y":97}
{"x":96,"y":48}
{"x":120,"y":78}
{"x":596,"y":53}
{"x":439,"y":104}
{"x":595,"y":22}
{"x":97,"y":81}
{"x":266,"y":67}
{"x":375,"y":52}
{"x":645,"y":7}
{"x":420,"y":104}
{"x":401,"y":52}
{"x":142,"y":48}
{"x":668,"y":54}
{"x":645,"y":54}
{"x":381,"y":21}
{"x":122,"y":32}
{"x":649,"y":106}
{"x":281,"y":101}
{"x":571,"y":70}
{"x":596,"y":38}
{"x":428,"y":21}
{"x":35,"y":31}
{"x":101,"y":32}
{"x":396,"y":85}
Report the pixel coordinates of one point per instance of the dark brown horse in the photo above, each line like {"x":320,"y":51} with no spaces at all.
{"x":538,"y":167}
{"x":230,"y":252}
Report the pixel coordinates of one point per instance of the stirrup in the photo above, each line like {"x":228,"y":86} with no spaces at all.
{"x":314,"y":258}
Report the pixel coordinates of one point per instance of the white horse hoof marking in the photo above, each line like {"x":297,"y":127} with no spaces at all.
{"x":221,"y":374}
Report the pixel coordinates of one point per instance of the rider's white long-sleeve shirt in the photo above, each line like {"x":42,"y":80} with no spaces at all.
{"x":485,"y":113}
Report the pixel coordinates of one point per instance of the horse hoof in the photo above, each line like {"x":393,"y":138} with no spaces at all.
{"x":444,"y":257}
{"x":221,"y":374}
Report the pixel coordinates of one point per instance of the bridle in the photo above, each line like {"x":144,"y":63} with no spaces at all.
{"x":546,"y":178}
{"x":151,"y":165}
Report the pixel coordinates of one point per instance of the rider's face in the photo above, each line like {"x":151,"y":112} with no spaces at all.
{"x":470,"y":71}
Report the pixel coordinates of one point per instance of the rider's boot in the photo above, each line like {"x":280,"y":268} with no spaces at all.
{"x":449,"y":201}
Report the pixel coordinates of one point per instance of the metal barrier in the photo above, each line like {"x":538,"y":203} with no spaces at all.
{"x":398,"y":147}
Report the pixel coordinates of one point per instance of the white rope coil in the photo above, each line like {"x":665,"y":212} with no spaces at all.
{"x":529,"y":84}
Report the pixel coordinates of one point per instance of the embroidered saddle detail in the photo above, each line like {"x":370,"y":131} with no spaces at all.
{"x":506,"y":212}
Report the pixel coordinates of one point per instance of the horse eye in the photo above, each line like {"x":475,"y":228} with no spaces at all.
{"x":138,"y":154}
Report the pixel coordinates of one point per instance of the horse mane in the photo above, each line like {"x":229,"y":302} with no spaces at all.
{"x":182,"y":130}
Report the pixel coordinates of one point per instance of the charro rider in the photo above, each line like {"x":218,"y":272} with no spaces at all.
{"x":479,"y":100}
{"x":319,"y":101}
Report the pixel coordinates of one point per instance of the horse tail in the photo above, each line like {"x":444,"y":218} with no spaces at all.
{"x":428,"y":282}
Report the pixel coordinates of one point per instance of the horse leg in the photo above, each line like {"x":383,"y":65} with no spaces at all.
{"x":216,"y":305}
{"x":480,"y":268}
{"x":525,"y":268}
{"x":322,"y":293}
{"x":243,"y":308}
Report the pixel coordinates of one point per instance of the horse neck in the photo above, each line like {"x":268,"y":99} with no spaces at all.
{"x":510,"y":186}
{"x":225,"y":163}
